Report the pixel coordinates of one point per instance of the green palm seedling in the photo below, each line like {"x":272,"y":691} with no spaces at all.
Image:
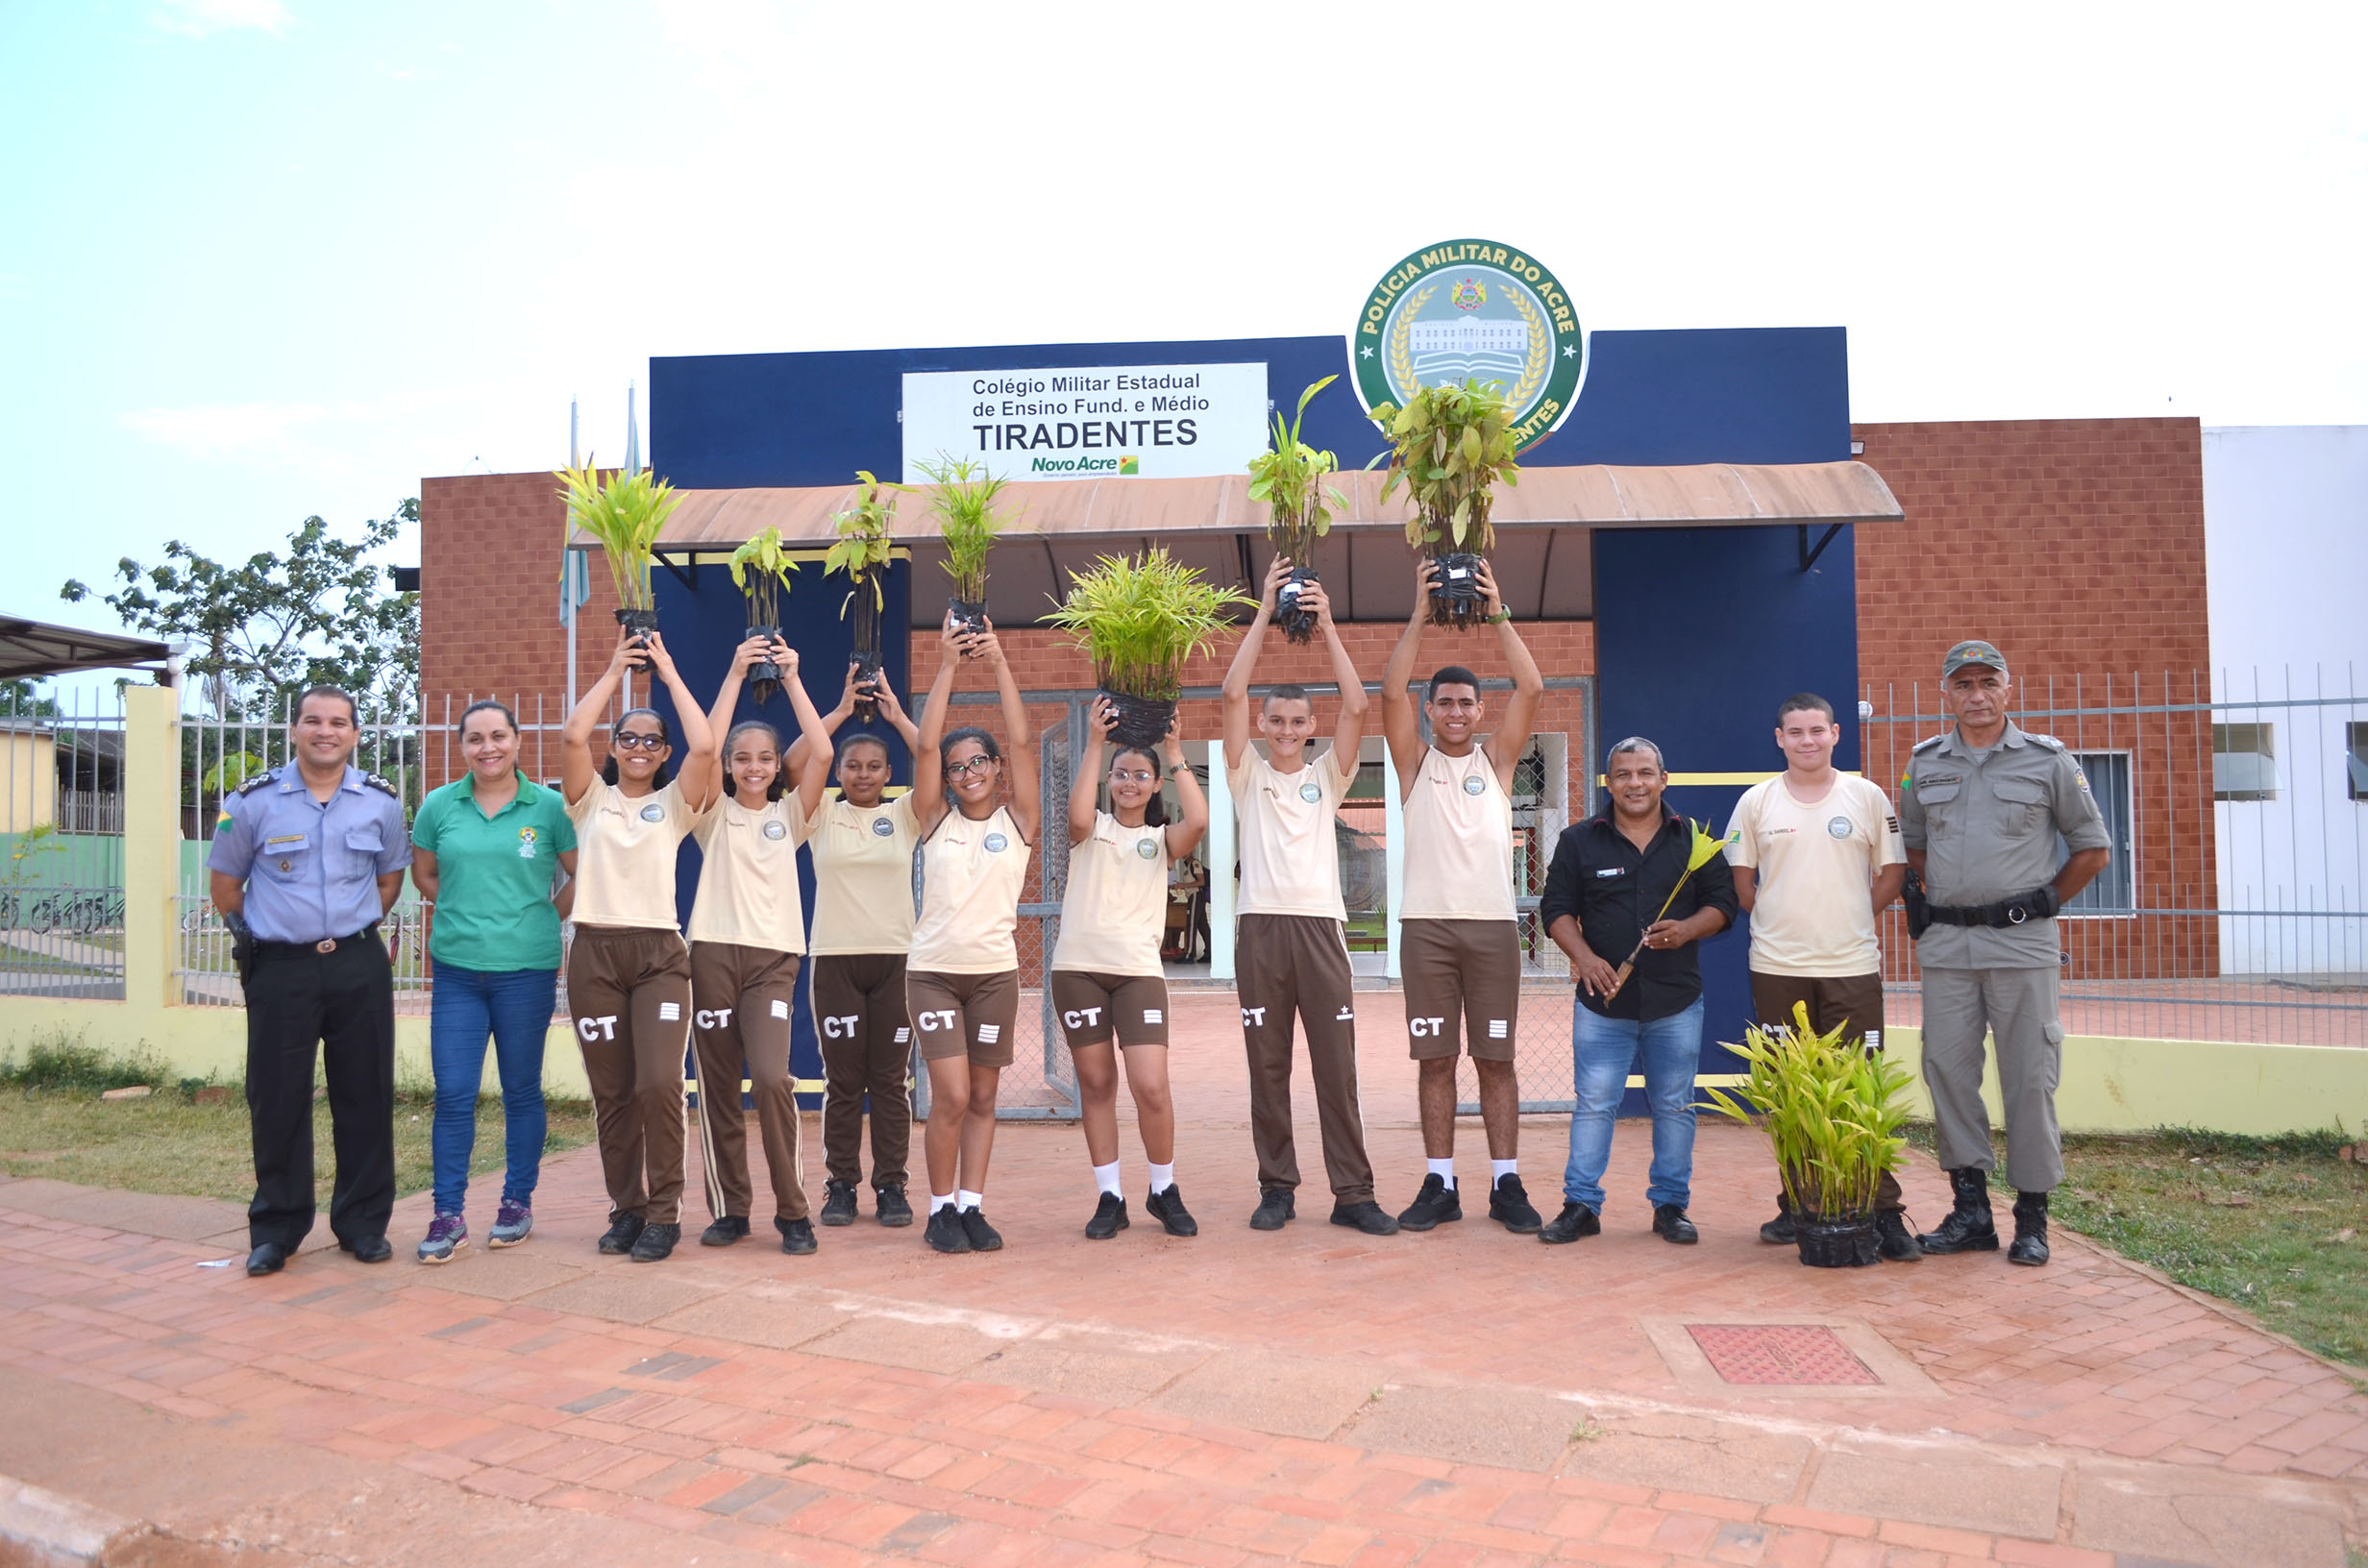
{"x":866,"y":541}
{"x":1288,"y":476}
{"x":962,"y":495}
{"x":1139,"y":621}
{"x":761,"y":570}
{"x":625,"y":516}
{"x":1450,"y":446}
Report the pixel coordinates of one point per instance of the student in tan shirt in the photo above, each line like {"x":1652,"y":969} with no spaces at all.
{"x":628,"y":975}
{"x":962,"y":977}
{"x":747,"y":928}
{"x":1106,"y":977}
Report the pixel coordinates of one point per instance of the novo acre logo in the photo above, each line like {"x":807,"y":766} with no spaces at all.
{"x":1472,"y":308}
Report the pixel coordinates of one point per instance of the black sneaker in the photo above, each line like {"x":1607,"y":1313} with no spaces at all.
{"x":839,"y":1203}
{"x":1892,"y":1237}
{"x":1367,"y":1217}
{"x":656,"y":1243}
{"x":1574,"y":1221}
{"x":1670,"y":1224}
{"x":1109,"y":1219}
{"x":1274,"y":1207}
{"x":1435,"y":1204}
{"x":1168,"y":1207}
{"x":623,"y":1229}
{"x":724,"y":1232}
{"x":1508,"y":1206}
{"x":984,"y":1237}
{"x":945,"y":1230}
{"x":797,"y":1236}
{"x":889,"y":1205}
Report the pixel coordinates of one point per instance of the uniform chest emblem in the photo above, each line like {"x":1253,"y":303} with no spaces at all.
{"x":1838,"y":826}
{"x":1147,"y":849}
{"x":1475,"y":784}
{"x":526,"y":843}
{"x":996,"y":844}
{"x":287,"y":865}
{"x":1310,"y":792}
{"x":653,"y":812}
{"x":883,"y":828}
{"x":773,"y":830}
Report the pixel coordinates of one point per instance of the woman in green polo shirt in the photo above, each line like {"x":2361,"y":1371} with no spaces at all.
{"x":486,"y":848}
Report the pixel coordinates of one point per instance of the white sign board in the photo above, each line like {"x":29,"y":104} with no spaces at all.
{"x":1089,"y":423}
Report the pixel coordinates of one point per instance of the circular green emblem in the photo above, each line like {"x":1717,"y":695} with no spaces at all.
{"x":1472,"y":308}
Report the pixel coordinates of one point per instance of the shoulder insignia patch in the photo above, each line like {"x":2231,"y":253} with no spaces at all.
{"x":382,"y":785}
{"x":2048,"y":741}
{"x":1928,"y":743}
{"x":269,"y":775}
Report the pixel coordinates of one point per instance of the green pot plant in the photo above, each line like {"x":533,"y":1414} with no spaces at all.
{"x":866,"y":538}
{"x":1832,"y":1112}
{"x":1450,"y":446}
{"x":1288,"y":476}
{"x":962,"y":495}
{"x":1139,"y":621}
{"x":624,"y":515}
{"x":761,"y":570}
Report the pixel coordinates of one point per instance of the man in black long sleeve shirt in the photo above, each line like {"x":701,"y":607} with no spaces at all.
{"x":1609,"y":876}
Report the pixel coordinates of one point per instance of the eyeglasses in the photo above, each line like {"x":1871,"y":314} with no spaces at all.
{"x":1131,"y":776}
{"x":640,"y":743}
{"x":977,"y":765}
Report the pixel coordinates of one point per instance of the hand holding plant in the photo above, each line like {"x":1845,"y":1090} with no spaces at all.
{"x":1139,"y":621}
{"x":1665,"y":933}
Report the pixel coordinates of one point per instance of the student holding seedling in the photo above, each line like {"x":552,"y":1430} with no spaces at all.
{"x":962,"y":978}
{"x":862,"y":845}
{"x":1106,"y":977}
{"x":1290,"y":951}
{"x":747,"y":928}
{"x":629,"y":975}
{"x":1459,"y":941}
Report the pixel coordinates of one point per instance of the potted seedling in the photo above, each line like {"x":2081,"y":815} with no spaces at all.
{"x":624,"y":515}
{"x":865,"y":541}
{"x":1831,"y":1112}
{"x":760,"y":570}
{"x":962,"y":494}
{"x":1450,"y":446}
{"x":1139,"y":621}
{"x":1288,"y":476}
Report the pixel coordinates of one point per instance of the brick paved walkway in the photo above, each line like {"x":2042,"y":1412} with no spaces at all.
{"x":1461,"y":1397}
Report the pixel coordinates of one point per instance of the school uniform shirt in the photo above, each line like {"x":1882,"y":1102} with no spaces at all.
{"x":1811,"y":915}
{"x":748,"y":875}
{"x":1613,"y":890}
{"x":494,"y":874}
{"x":1291,"y":853}
{"x":1114,"y":911}
{"x":863,"y":875}
{"x":1459,"y":841}
{"x":971,"y":876}
{"x":625,"y":855}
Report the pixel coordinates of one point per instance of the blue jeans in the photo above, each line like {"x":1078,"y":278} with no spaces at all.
{"x":514,"y":1006}
{"x":1602,"y":1050}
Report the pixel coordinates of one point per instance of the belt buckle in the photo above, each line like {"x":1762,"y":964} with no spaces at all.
{"x":2017,"y":915}
{"x":327,"y":945}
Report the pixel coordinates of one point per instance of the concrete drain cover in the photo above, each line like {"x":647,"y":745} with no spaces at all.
{"x":1790,"y":1354}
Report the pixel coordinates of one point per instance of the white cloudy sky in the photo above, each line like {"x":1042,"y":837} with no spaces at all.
{"x":270,"y":257}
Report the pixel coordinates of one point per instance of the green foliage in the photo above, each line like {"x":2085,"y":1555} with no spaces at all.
{"x":1829,"y":1107}
{"x":761,"y":570}
{"x":962,"y":496}
{"x":24,"y":855}
{"x":1289,"y":478}
{"x":228,"y":774}
{"x":1450,"y":446}
{"x":866,"y":533}
{"x":1139,"y":621}
{"x":625,"y":516}
{"x":62,"y":1063}
{"x":19,"y":699}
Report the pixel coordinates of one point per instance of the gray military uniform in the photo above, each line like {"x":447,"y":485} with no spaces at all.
{"x":1987,"y":824}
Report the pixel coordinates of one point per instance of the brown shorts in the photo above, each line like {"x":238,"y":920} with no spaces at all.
{"x":1091,"y":1007}
{"x":1852,"y":1001}
{"x":964,"y":1015}
{"x":1461,"y":972}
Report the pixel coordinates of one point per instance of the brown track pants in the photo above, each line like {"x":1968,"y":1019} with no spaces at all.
{"x":867,"y":1045}
{"x":629,"y":988}
{"x":743,"y":997}
{"x":1298,"y":964}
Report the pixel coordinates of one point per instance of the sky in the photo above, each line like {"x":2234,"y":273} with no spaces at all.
{"x":269,"y":258}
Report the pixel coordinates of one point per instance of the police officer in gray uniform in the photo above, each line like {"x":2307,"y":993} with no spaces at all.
{"x":305,"y":861}
{"x":1981,"y":808}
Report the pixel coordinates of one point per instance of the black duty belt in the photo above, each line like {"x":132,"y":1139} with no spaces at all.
{"x":305,"y":950}
{"x":2006,"y":912}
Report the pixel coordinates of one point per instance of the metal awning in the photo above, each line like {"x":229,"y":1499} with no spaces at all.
{"x":37,"y":648}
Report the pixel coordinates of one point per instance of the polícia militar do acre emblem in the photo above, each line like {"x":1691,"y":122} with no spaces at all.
{"x":1472,"y":308}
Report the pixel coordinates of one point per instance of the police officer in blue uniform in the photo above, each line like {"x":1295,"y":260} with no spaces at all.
{"x":305,"y":862}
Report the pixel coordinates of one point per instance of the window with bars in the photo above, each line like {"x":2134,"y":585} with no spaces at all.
{"x":2108,"y":781}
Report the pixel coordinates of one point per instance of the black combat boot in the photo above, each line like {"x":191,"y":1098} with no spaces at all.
{"x":2030,"y":1244}
{"x":1968,"y":1227}
{"x":1780,"y":1231}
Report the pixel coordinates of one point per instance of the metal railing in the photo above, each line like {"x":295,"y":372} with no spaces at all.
{"x":62,"y":845}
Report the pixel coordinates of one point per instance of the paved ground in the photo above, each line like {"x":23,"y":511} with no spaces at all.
{"x":1319,"y":1397}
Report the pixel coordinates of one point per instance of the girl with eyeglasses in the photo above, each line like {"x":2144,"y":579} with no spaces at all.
{"x":1106,"y":978}
{"x":629,"y":975}
{"x":962,"y":980}
{"x":747,"y":928}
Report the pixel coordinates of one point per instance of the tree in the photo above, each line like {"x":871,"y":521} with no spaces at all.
{"x":20,"y":698}
{"x":262,"y":630}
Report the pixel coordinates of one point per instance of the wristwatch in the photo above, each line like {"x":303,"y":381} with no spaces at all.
{"x":1500,"y":618}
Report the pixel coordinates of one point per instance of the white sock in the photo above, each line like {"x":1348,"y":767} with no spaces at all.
{"x":1444,"y":1171}
{"x":1499,"y":1170}
{"x":940,"y":1200}
{"x":1163,"y":1177}
{"x":967,"y":1199}
{"x":1106,"y":1177}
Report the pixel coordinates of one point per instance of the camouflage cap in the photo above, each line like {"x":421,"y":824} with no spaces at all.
{"x":1975,"y":651}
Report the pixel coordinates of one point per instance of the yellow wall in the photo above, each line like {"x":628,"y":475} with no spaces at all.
{"x":28,"y":781}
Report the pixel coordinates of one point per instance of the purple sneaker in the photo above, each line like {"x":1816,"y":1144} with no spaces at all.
{"x":447,"y":1235}
{"x":512,"y":1223}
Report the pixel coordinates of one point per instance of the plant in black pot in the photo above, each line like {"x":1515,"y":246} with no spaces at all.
{"x":626,"y":515}
{"x":1450,"y":446}
{"x":1289,"y":478}
{"x":1830,"y":1109}
{"x":1139,"y":621}
{"x":866,"y":540}
{"x":761,"y":570}
{"x":962,"y":495}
